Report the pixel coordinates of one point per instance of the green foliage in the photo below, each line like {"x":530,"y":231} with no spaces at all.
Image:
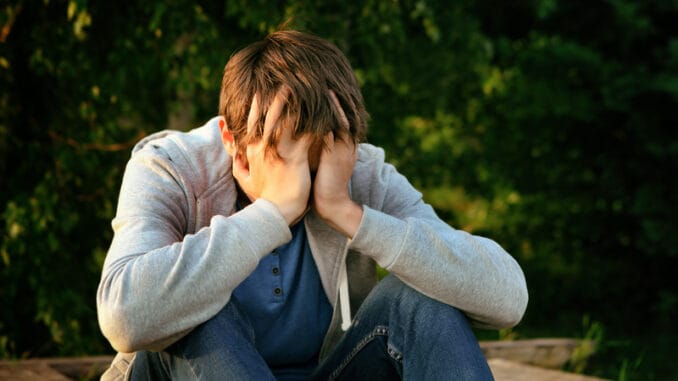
{"x":548,"y":125}
{"x":591,"y":340}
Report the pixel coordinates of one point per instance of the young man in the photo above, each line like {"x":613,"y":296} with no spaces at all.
{"x":242,"y":248}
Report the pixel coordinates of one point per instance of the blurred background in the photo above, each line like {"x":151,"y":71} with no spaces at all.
{"x":548,"y":125}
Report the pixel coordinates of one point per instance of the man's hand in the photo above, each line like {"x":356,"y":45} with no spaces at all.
{"x":284,"y":181}
{"x":331,"y":198}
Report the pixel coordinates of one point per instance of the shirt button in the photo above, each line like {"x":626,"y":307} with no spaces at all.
{"x":275,"y":271}
{"x":277,"y":291}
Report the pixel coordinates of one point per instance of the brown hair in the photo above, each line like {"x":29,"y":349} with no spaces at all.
{"x":309,"y":66}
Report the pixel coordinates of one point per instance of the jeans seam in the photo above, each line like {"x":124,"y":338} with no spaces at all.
{"x":396,"y":355}
{"x":192,"y":368}
{"x":379,"y":330}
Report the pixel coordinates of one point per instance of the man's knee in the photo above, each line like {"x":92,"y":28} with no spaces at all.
{"x":229,"y":325}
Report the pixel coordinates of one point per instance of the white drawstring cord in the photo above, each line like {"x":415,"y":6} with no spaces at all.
{"x":344,"y":302}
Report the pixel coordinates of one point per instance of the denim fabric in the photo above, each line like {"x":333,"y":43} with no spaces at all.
{"x":220,"y":349}
{"x":398,"y":333}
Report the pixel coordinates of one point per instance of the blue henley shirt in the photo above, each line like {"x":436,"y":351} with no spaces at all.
{"x":287,"y":307}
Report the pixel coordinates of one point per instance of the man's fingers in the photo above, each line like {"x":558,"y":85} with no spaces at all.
{"x":329,"y":144}
{"x":273,"y":114}
{"x":253,"y":116}
{"x":343,"y":120}
{"x":298,"y":148}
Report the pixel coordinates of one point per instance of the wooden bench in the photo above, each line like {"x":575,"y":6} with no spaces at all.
{"x":537,"y":359}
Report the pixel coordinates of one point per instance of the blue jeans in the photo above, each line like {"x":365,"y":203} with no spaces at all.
{"x":398,"y":333}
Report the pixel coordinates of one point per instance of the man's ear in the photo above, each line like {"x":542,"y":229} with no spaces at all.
{"x":227,"y":137}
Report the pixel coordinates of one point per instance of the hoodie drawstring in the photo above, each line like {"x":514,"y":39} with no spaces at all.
{"x":344,"y":302}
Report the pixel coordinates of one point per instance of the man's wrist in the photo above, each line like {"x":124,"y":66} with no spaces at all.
{"x":290,"y":213}
{"x":345,"y":217}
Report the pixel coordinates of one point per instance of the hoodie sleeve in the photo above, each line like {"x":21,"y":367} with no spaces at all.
{"x":159,"y":282}
{"x":404,"y":235}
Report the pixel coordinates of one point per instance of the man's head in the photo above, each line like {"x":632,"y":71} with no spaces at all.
{"x":309,"y":67}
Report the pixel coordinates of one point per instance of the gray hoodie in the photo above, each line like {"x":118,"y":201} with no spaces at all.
{"x":180,"y":247}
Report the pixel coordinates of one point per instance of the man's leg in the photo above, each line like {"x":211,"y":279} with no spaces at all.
{"x":399,"y":333}
{"x":222,"y":348}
